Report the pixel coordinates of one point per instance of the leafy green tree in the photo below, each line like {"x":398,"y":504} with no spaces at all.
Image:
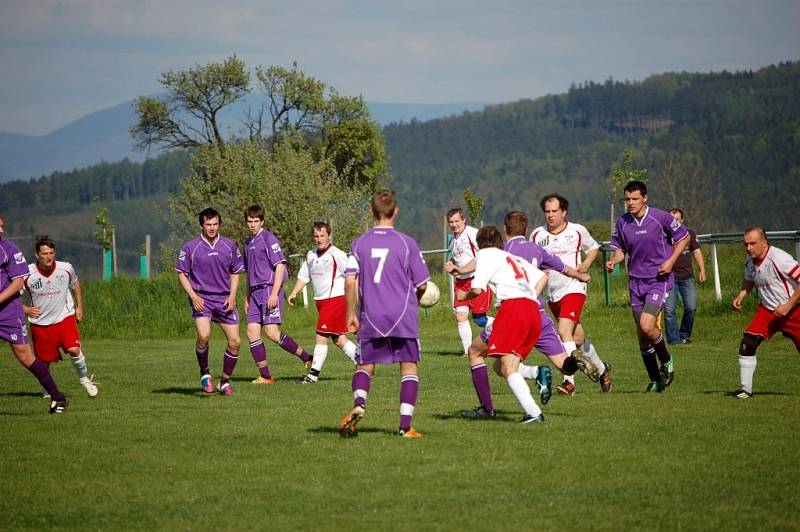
{"x":474,"y":206}
{"x":105,"y":228}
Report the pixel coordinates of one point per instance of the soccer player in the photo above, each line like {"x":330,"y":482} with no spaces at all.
{"x":652,"y":239}
{"x":516,"y":327}
{"x":324,"y":267}
{"x":266,"y":272}
{"x":54,"y":314}
{"x":777,"y":276}
{"x":685,"y":287}
{"x":567,"y":295}
{"x":13,"y":270}
{"x":461,"y":266}
{"x":208,"y":270}
{"x":386,"y":275}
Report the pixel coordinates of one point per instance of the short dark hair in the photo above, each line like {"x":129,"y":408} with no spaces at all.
{"x":208,"y":214}
{"x":563,"y":204}
{"x":383,"y":204}
{"x":676,"y":210}
{"x":633,"y":186}
{"x":758,"y":229}
{"x":489,"y":237}
{"x":321,"y":225}
{"x":516,"y":223}
{"x":254,"y":211}
{"x":44,"y":240}
{"x":456,"y":210}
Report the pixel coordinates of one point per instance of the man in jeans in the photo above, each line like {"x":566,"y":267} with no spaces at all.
{"x":684,"y":285}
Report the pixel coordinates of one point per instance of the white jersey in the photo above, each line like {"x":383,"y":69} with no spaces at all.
{"x":325,"y":271}
{"x":51,"y":293}
{"x":509,"y":276}
{"x":567,"y":245}
{"x":463,"y":249}
{"x":776,"y":277}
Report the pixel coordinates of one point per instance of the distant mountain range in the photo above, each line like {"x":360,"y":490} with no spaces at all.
{"x":103,"y":136}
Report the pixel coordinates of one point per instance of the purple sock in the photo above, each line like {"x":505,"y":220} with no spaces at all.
{"x":259,"y":353}
{"x":569,"y":367}
{"x":651,"y":364}
{"x":42,"y":374}
{"x":202,"y":359}
{"x":409,"y":387}
{"x":661,"y":349}
{"x":480,"y":379}
{"x":288,"y":343}
{"x":229,"y":361}
{"x":360,"y":387}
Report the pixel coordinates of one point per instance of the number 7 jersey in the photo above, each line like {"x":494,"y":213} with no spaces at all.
{"x":389,"y":267}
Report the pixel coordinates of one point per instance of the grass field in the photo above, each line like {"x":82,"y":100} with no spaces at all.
{"x":152,"y":452}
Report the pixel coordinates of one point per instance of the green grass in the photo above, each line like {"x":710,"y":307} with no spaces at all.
{"x":151,"y":452}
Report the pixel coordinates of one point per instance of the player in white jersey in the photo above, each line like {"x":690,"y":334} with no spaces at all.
{"x":777,"y":276}
{"x":516,"y":285}
{"x":54,"y":314}
{"x":324,"y":268}
{"x":463,"y":250}
{"x":566,"y":295}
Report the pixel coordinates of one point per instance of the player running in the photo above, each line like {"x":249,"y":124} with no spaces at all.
{"x":54,"y":314}
{"x":777,"y":276}
{"x":324,"y":267}
{"x":567,"y":295}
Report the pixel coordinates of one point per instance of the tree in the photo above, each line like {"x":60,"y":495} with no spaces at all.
{"x":621,"y":176}
{"x":685,"y":182}
{"x":189,"y":115}
{"x":474,"y":206}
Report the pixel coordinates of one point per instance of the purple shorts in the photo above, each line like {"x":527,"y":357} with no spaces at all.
{"x":258,"y":312}
{"x":215,"y":309}
{"x":549,"y":343}
{"x":387,"y":350}
{"x":651,"y":292}
{"x":14,"y":331}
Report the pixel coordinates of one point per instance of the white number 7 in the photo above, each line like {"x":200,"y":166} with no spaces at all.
{"x":380,"y":254}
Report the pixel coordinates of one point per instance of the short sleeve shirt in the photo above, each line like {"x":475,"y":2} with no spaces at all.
{"x":648,"y":242}
{"x":209,"y":265}
{"x":776,"y":276}
{"x":509,"y":276}
{"x":568,"y":245}
{"x":536,"y":255}
{"x":463,"y":249}
{"x":262,"y":254}
{"x":52,"y":292}
{"x":12,"y":266}
{"x":325,"y":270}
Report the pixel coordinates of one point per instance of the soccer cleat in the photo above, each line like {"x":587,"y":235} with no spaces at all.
{"x":45,"y":394}
{"x":655,"y":386}
{"x":742,"y":394}
{"x":262,"y":380}
{"x":605,"y":378}
{"x":89,"y":386}
{"x":532,"y":419}
{"x":410,"y":434}
{"x":58,"y":407}
{"x":305,"y":379}
{"x":207,"y":384}
{"x":478,"y":413}
{"x":667,"y":375}
{"x":565,"y":388}
{"x":349,"y":423}
{"x":545,"y":382}
{"x":585,"y":365}
{"x":225,"y":389}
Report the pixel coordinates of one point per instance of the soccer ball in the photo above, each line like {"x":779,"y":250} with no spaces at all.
{"x":431,"y":295}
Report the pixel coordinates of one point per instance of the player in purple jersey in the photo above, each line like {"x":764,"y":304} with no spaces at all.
{"x":653,"y":240}
{"x":13,"y":270}
{"x":515,"y":226}
{"x":208,"y":270}
{"x":266,"y":272}
{"x":386,"y":275}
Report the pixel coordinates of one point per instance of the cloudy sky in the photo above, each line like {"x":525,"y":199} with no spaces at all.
{"x":62,"y":59}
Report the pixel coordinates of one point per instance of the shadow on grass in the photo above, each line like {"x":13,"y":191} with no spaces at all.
{"x":21,"y":394}
{"x":17,"y":414}
{"x":367,"y":430}
{"x":457,"y":354}
{"x":728,"y":393}
{"x":177,"y":390}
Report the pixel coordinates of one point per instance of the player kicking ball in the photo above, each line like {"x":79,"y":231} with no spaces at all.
{"x":54,"y":314}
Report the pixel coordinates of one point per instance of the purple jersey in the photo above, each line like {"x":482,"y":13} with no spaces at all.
{"x":389,"y":267}
{"x":262,"y":254}
{"x":648,"y":242}
{"x":536,"y":255}
{"x":12,"y":266}
{"x":209,"y":265}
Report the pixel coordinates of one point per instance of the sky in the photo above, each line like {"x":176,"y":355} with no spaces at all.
{"x":61,"y":60}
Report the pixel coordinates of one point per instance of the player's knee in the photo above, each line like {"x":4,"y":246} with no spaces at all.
{"x":234,"y":344}
{"x":749,"y":345}
{"x":480,"y":320}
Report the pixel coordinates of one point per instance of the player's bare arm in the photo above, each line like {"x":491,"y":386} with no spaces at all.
{"x":230,"y":301}
{"x":577,"y":274}
{"x":747,"y":287}
{"x":701,"y":265}
{"x":78,"y":293}
{"x":272,"y":302}
{"x":421,"y":290}
{"x":197,"y":302}
{"x":298,"y":285}
{"x":463,"y":295}
{"x":351,"y":297}
{"x":677,"y":249}
{"x":615,"y":259}
{"x":786,"y":308}
{"x":591,"y":255}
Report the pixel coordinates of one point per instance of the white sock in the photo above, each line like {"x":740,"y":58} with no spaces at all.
{"x":591,"y":353}
{"x":350,"y":350}
{"x":523,"y":394}
{"x":569,"y":378}
{"x":747,"y":367}
{"x":79,"y":362}
{"x":489,"y":321}
{"x":528,"y":372}
{"x":569,"y":347}
{"x":465,"y":332}
{"x":320,"y":354}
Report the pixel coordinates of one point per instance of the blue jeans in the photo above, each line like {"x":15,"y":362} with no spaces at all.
{"x":686,"y":288}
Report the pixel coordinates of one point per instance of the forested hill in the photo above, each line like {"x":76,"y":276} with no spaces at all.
{"x":724,"y":145}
